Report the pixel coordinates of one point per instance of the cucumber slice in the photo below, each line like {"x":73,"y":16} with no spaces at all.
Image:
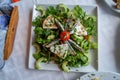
{"x":88,"y":59}
{"x":37,"y":47}
{"x":64,"y":66}
{"x":62,"y":8}
{"x":50,"y":37}
{"x":37,"y":63}
{"x":41,"y":9}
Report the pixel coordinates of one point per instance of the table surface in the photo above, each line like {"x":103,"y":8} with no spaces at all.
{"x":16,"y":68}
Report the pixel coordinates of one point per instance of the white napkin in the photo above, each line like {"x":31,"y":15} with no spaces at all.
{"x":2,"y":41}
{"x":5,"y":12}
{"x":5,"y":1}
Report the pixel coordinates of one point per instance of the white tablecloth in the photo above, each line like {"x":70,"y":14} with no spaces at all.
{"x":16,"y":68}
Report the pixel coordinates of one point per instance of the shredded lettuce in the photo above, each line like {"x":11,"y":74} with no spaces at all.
{"x":42,"y":35}
{"x":89,"y":23}
{"x":36,"y":56}
{"x":77,"y":12}
{"x":37,"y":22}
{"x":93,"y":45}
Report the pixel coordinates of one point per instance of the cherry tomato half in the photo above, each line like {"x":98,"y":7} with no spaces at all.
{"x":64,"y":36}
{"x":87,"y":37}
{"x":16,"y":0}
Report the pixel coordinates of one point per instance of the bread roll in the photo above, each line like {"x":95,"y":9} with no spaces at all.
{"x":11,"y":33}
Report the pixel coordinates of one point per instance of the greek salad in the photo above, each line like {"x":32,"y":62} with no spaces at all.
{"x":63,"y":35}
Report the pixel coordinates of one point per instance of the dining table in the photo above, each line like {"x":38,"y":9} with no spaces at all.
{"x":16,"y":67}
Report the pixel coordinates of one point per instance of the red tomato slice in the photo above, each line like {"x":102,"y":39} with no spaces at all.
{"x":64,"y":36}
{"x":87,"y":37}
{"x":16,"y":0}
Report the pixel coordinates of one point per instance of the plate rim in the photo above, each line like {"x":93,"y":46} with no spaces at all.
{"x":110,"y":6}
{"x":96,"y":73}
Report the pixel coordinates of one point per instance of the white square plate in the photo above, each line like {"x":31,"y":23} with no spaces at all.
{"x":93,"y":66}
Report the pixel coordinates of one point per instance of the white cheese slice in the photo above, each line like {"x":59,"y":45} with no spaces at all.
{"x":79,"y":29}
{"x":49,"y":23}
{"x":60,"y":50}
